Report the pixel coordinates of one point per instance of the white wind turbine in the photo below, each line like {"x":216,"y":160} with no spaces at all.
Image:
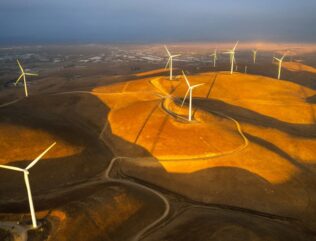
{"x":214,"y":55}
{"x":280,"y":60}
{"x":190,"y":88}
{"x":27,"y":182}
{"x":254,"y":52}
{"x":170,"y":61}
{"x":24,"y":74}
{"x":232,"y":57}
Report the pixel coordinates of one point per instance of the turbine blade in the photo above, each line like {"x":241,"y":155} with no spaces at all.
{"x":39,"y":157}
{"x":12,"y":168}
{"x":194,"y":86}
{"x":20,"y":66}
{"x":277,"y":59}
{"x":167,"y":50}
{"x":186,"y":95}
{"x":235,"y":45}
{"x":19,"y":79}
{"x":30,"y":74}
{"x":186,"y":79}
{"x":168,"y":63}
{"x":177,"y":55}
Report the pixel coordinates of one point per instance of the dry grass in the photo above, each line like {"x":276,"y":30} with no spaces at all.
{"x":145,"y":124}
{"x":274,"y":173}
{"x":298,"y":67}
{"x":26,"y":143}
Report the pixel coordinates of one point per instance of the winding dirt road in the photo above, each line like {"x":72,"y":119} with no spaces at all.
{"x":22,"y":231}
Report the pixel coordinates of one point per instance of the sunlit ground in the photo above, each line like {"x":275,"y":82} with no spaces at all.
{"x":175,"y":142}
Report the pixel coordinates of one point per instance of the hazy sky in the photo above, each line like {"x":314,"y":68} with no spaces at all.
{"x":26,"y":21}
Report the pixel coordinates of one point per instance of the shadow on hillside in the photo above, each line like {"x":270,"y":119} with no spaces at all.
{"x":311,"y":99}
{"x":234,"y":191}
{"x":229,"y":187}
{"x":255,"y":118}
{"x":302,"y":78}
{"x":57,"y":115}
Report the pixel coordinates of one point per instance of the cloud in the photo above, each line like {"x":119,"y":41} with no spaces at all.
{"x":152,"y":20}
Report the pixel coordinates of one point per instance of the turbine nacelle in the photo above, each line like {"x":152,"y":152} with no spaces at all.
{"x":280,"y":59}
{"x":232,"y":51}
{"x":214,"y":53}
{"x":277,"y":59}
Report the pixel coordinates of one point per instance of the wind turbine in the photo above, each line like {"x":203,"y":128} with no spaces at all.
{"x":170,"y":61}
{"x":254,"y":52}
{"x":24,"y":74}
{"x":27,"y":182}
{"x":190,"y":88}
{"x":232,"y":57}
{"x":280,"y":64}
{"x":214,"y":55}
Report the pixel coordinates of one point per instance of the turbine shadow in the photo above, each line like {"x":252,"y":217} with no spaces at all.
{"x":270,"y":146}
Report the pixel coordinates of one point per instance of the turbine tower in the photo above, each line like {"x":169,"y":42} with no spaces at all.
{"x":254,"y":52}
{"x":189,"y":91}
{"x":27,"y":182}
{"x":24,"y":74}
{"x":170,"y":61}
{"x":232,"y":57}
{"x":280,"y":64}
{"x":214,"y":55}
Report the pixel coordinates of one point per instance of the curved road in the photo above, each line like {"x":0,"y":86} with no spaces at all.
{"x":134,"y":184}
{"x":11,"y":102}
{"x":107,"y":176}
